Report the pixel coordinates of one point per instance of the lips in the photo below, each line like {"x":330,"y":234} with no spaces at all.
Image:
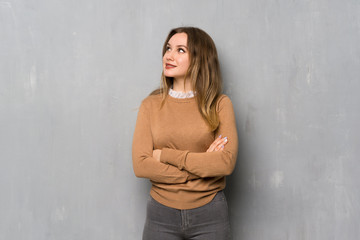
{"x":169,"y":66}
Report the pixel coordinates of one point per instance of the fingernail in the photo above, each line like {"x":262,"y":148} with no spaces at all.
{"x":225,"y":138}
{"x":222,"y":146}
{"x":219,"y":136}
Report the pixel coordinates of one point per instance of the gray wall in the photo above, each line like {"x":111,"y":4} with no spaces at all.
{"x":73,"y":73}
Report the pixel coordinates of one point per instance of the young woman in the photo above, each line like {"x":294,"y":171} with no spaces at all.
{"x":185,"y":142}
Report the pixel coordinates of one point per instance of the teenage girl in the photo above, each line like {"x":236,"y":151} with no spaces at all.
{"x":185,"y":142}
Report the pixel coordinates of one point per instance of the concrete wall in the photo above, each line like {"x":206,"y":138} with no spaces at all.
{"x":72,"y":74}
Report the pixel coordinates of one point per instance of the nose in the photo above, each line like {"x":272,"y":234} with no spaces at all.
{"x":169,"y":55}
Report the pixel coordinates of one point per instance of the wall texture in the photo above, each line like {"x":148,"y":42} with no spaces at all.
{"x":72,"y":74}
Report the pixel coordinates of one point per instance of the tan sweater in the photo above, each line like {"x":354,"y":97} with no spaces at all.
{"x":186,"y":176}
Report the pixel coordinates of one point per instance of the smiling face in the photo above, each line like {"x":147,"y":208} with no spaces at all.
{"x":176,"y":60}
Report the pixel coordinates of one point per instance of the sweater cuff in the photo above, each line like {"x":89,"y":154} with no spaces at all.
{"x":173,"y":157}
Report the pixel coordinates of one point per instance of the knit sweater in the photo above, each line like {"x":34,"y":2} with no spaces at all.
{"x":186,"y":176}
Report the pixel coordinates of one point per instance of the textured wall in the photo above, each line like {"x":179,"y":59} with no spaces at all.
{"x":72,"y":74}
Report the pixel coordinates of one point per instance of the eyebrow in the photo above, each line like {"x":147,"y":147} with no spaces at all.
{"x":168,"y":44}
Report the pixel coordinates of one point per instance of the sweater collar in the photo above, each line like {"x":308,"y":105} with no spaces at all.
{"x":181,"y":95}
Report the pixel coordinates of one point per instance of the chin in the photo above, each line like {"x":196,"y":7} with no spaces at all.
{"x":168,"y":74}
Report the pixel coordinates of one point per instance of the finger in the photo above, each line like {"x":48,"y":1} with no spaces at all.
{"x":223,"y":141}
{"x":211,"y":148}
{"x":221,"y":144}
{"x":218,"y":141}
{"x":219,"y":147}
{"x":214,"y":144}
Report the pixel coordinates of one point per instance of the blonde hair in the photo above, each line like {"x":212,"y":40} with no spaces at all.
{"x":204,"y":73}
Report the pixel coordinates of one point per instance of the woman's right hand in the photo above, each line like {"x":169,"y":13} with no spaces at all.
{"x":218,"y":144}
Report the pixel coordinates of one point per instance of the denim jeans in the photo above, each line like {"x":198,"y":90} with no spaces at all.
{"x":208,"y":222}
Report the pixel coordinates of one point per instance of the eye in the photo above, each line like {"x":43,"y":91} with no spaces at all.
{"x":168,"y":48}
{"x":181,"y":50}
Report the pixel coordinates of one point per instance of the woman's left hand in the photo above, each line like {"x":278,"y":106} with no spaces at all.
{"x":157,"y":154}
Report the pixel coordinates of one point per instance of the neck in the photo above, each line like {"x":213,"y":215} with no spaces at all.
{"x":178,"y":85}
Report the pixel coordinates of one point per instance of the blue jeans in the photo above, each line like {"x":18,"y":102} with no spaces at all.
{"x":208,"y":222}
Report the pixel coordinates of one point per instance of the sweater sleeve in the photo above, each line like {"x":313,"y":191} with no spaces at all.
{"x":210,"y":164}
{"x":144,"y":165}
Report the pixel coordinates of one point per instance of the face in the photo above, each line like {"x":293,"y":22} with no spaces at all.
{"x":176,"y":59}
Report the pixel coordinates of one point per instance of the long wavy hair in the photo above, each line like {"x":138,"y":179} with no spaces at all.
{"x":204,"y":73}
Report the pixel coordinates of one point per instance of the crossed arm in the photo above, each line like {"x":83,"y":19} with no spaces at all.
{"x":178,"y":166}
{"x":217,"y":145}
